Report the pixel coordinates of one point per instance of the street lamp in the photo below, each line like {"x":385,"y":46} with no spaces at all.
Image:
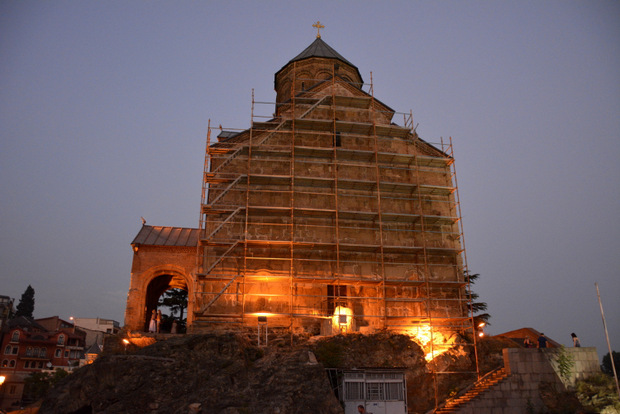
{"x":2,"y":379}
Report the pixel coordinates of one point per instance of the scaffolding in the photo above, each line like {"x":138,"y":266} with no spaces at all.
{"x":326,"y":216}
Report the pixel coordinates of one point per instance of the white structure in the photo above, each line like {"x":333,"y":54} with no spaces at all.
{"x":96,"y":328}
{"x":380,"y":391}
{"x":98,"y":324}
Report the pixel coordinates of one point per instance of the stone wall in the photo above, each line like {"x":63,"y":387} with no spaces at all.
{"x":528,"y":370}
{"x":177,"y":263}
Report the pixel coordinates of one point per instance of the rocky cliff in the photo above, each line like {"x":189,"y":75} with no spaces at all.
{"x":228,"y":374}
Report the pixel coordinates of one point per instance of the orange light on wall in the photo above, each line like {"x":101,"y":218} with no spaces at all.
{"x":342,"y":321}
{"x":433,"y":342}
{"x":259,"y":314}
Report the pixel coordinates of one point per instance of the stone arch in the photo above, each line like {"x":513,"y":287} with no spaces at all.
{"x":148,"y":287}
{"x":323,"y":74}
{"x":284,"y":91}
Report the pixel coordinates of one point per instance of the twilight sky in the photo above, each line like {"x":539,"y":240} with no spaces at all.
{"x":104,"y":109}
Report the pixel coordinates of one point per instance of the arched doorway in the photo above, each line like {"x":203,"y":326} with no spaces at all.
{"x":154,"y":291}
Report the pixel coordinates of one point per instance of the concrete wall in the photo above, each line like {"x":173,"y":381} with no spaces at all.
{"x":527,"y":369}
{"x":544,"y":362}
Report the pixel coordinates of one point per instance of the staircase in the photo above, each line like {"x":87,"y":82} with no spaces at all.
{"x":481,"y":386}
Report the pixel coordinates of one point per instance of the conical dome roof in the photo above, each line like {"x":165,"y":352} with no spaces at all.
{"x":320,"y":49}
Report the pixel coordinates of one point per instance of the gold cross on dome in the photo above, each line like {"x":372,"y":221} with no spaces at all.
{"x":318,"y":26}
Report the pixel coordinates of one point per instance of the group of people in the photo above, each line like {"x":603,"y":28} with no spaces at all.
{"x":155,"y":323}
{"x":542,"y":341}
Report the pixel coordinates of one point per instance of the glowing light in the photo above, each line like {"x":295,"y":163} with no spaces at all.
{"x":481,"y":325}
{"x":342,"y":319}
{"x":262,"y":314}
{"x":480,"y":334}
{"x":2,"y":379}
{"x":126,"y":341}
{"x":433,"y":342}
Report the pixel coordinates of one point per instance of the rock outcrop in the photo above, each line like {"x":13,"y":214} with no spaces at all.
{"x":198,"y":374}
{"x":227,"y":373}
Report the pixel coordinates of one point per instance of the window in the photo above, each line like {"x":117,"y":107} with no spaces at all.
{"x":5,"y":363}
{"x":27,"y":364}
{"x":42,"y":353}
{"x":7,"y":350}
{"x":66,"y":354}
{"x":394,"y":391}
{"x":353,"y":391}
{"x":335,"y":294}
{"x":61,"y":340}
{"x":15,"y":336}
{"x":29,"y":351}
{"x":58,"y":353}
{"x":12,"y":363}
{"x":374,"y":391}
{"x":337,"y":142}
{"x":15,"y":350}
{"x":374,"y":386}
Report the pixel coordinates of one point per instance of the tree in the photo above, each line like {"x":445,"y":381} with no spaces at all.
{"x":606,"y":365}
{"x":26,"y":303}
{"x":476,"y":306}
{"x":37,"y":384}
{"x":176,"y":300}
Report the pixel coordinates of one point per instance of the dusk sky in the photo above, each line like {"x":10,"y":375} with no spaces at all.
{"x":104,"y":109}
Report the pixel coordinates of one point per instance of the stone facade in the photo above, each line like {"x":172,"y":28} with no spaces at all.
{"x":324,"y":217}
{"x":161,"y":260}
{"x":329,"y":211}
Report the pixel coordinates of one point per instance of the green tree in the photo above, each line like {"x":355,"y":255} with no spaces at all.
{"x":37,"y":384}
{"x":606,"y":365}
{"x":477,"y":308}
{"x":26,"y":303}
{"x":176,"y":300}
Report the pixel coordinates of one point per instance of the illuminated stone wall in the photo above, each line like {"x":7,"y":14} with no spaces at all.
{"x":327,"y":217}
{"x":330,"y":204}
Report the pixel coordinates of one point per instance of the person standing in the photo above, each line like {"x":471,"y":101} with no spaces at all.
{"x":159,"y":321}
{"x":576,"y":342}
{"x":542,"y":341}
{"x":153,"y":322}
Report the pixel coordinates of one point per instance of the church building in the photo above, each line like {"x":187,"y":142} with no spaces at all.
{"x":328,"y":215}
